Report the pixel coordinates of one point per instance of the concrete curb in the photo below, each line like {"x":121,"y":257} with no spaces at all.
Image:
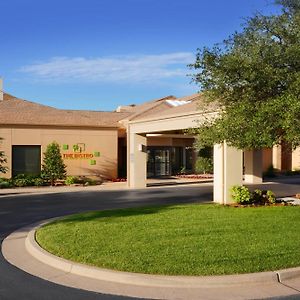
{"x":158,"y":281}
{"x":60,"y":271}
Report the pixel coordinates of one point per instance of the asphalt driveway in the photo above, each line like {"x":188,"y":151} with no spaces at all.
{"x":18,"y":211}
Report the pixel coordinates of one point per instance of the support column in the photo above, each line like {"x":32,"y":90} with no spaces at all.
{"x":276,"y":157}
{"x":296,"y":159}
{"x":228,"y":171}
{"x":184,"y":157}
{"x":253,"y":160}
{"x":137,"y":160}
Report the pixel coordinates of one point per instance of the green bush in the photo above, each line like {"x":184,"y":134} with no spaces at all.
{"x":241,"y":194}
{"x":89,"y":181}
{"x":257,"y":196}
{"x":5,"y":184}
{"x":38,"y":181}
{"x":263,"y":197}
{"x":71,"y":180}
{"x":22,"y":180}
{"x":292,"y":173}
{"x":3,"y":160}
{"x":271,"y":197}
{"x":79,"y":180}
{"x":5,"y":179}
{"x":204,"y":165}
{"x":270,"y":172}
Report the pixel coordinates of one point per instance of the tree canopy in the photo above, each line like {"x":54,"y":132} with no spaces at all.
{"x":254,"y":77}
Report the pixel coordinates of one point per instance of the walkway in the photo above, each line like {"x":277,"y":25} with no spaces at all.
{"x":103,"y":187}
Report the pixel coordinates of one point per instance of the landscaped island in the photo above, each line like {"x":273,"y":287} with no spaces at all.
{"x":180,"y":240}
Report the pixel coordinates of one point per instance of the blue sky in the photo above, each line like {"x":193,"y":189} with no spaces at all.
{"x":98,"y":54}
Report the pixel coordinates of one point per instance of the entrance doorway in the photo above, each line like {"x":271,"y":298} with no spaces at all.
{"x":168,"y":160}
{"x":158,"y":163}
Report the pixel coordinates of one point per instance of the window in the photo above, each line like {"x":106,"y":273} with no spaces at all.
{"x":26,"y":160}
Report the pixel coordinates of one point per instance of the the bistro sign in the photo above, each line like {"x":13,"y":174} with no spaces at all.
{"x":78,"y":152}
{"x":78,"y":155}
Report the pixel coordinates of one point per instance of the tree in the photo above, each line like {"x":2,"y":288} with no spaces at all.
{"x":254,"y":79}
{"x":53,"y":167}
{"x":3,"y":160}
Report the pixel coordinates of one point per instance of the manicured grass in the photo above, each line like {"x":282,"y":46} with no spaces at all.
{"x":180,"y":240}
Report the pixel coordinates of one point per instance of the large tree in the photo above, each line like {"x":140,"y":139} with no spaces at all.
{"x":254,"y":79}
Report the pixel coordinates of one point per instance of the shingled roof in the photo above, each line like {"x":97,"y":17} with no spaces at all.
{"x":15,"y":111}
{"x":189,"y":105}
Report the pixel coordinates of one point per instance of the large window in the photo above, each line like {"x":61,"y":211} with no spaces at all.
{"x":26,"y":160}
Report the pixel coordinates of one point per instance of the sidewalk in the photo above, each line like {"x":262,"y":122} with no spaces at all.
{"x":108,"y":185}
{"x":61,"y":189}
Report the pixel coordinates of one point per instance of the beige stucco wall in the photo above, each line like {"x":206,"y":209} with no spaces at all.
{"x":104,"y":141}
{"x":267,"y":158}
{"x":159,"y":141}
{"x":169,"y":141}
{"x":296,"y":159}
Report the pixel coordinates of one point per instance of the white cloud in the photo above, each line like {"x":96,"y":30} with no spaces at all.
{"x":123,"y":69}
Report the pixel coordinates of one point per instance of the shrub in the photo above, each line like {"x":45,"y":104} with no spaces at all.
{"x":5,"y":184}
{"x":89,"y":181}
{"x":270,"y":172}
{"x":4,"y":179}
{"x":292,"y":173}
{"x":3,"y":160}
{"x":271,"y":197}
{"x":22,"y":180}
{"x":80,"y":180}
{"x":71,"y":180}
{"x":263,"y":197}
{"x":182,"y":170}
{"x":241,"y":194}
{"x":257,"y":196}
{"x":204,"y":165}
{"x":38,"y":181}
{"x":53,"y":166}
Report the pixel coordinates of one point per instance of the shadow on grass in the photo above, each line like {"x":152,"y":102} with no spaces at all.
{"x":116,"y":213}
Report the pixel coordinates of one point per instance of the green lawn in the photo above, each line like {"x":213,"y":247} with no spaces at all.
{"x":180,"y":240}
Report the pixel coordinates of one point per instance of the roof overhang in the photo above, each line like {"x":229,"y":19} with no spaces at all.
{"x":171,"y":122}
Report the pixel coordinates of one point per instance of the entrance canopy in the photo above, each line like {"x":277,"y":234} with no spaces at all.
{"x":228,"y":161}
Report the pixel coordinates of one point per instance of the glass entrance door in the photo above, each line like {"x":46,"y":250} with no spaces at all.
{"x":162,"y":162}
{"x":159,"y":162}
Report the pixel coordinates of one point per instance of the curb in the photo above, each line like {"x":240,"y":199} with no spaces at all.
{"x":145,"y":280}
